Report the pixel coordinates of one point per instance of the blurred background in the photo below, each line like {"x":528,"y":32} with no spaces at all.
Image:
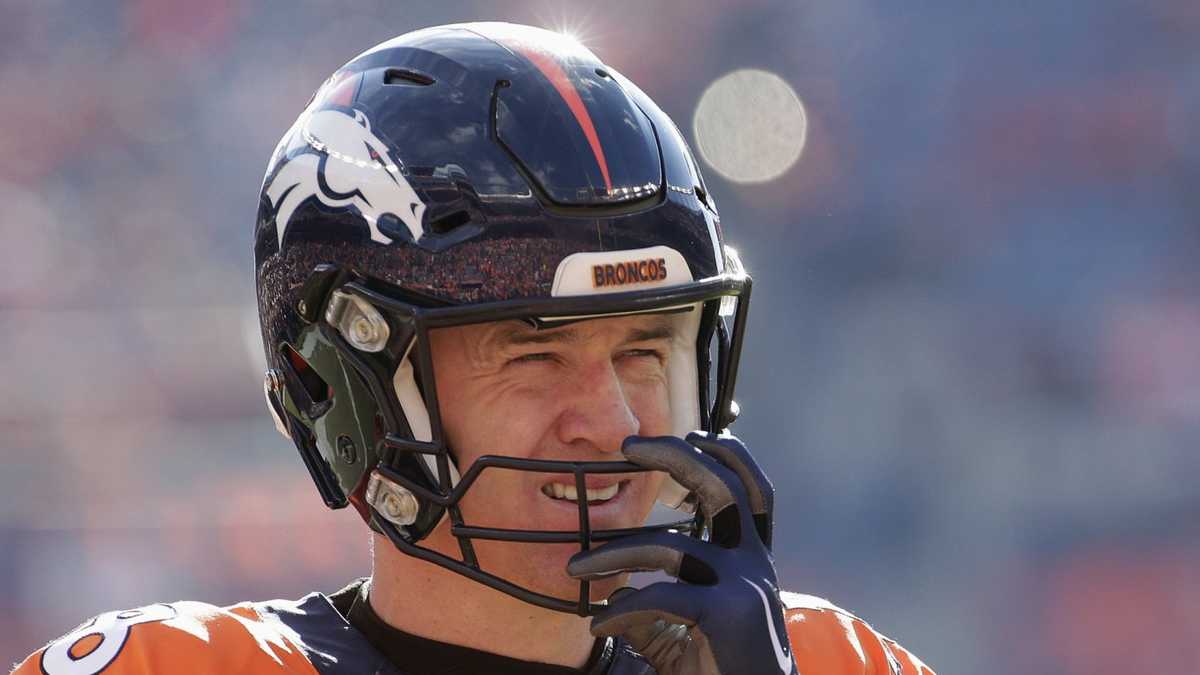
{"x":974,"y":361}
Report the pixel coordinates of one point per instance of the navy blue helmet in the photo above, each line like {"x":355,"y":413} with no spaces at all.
{"x":464,"y":174}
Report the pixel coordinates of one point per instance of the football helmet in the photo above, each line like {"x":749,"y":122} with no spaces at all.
{"x":466,"y":174}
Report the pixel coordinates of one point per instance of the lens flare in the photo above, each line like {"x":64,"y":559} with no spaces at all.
{"x":750,"y":126}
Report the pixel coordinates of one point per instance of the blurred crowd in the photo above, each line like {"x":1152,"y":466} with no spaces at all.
{"x":974,"y":362}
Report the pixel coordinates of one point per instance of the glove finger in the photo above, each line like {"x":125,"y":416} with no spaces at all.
{"x":657,"y":637}
{"x":675,"y":554}
{"x":730,"y":452}
{"x":636,"y":612}
{"x":715,"y":487}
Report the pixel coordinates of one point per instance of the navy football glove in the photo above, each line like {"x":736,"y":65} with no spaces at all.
{"x":725,"y":618}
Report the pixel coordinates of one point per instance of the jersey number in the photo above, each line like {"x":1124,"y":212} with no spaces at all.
{"x":93,"y":646}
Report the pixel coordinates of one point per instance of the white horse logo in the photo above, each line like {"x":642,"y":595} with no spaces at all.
{"x":351,"y":167}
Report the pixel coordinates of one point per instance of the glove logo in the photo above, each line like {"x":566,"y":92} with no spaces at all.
{"x":351,"y":166}
{"x":782,"y":657}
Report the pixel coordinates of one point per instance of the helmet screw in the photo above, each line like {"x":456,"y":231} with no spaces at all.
{"x":358,"y":321}
{"x":303,"y":307}
{"x":346,"y":450}
{"x":394,"y":502}
{"x":362,"y":330}
{"x":400,"y":507}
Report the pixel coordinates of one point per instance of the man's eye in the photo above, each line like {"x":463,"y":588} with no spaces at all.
{"x":532,"y":357}
{"x":643,"y":353}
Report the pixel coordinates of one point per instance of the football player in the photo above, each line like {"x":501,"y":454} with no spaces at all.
{"x":502,"y":323}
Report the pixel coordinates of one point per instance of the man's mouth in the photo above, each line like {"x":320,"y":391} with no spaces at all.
{"x":568,"y":492}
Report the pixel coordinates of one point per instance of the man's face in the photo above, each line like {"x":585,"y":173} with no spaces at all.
{"x":569,"y":393}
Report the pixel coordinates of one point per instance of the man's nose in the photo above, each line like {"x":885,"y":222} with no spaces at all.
{"x":596,"y":414}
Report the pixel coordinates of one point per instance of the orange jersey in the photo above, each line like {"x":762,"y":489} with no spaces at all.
{"x":181,"y":637}
{"x":828,"y":640}
{"x":310,"y":637}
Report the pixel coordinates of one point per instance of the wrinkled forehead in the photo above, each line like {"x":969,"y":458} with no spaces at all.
{"x":631,"y":328}
{"x":499,"y":336}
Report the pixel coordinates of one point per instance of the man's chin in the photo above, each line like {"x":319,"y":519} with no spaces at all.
{"x":566,"y":588}
{"x":542,"y":568}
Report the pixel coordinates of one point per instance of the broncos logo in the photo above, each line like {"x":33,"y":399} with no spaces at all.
{"x":351,"y":167}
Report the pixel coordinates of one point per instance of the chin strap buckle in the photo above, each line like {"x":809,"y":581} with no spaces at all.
{"x":393,"y":502}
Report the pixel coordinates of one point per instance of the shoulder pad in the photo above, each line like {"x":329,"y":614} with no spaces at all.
{"x":180,"y":637}
{"x":829,"y":640}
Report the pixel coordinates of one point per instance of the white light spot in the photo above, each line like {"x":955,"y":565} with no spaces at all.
{"x":750,"y":126}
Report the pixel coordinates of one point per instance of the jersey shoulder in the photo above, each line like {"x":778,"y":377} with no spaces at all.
{"x":827,"y":639}
{"x":269,"y":638}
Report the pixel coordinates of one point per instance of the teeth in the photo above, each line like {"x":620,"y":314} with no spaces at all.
{"x":568,"y":492}
{"x":603,"y":494}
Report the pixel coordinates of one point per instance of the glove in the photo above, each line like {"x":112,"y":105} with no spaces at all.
{"x":724,"y":617}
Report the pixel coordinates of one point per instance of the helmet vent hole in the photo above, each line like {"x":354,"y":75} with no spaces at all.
{"x":312,"y":387}
{"x":602,"y":73}
{"x":406,"y":78}
{"x":449,"y":222}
